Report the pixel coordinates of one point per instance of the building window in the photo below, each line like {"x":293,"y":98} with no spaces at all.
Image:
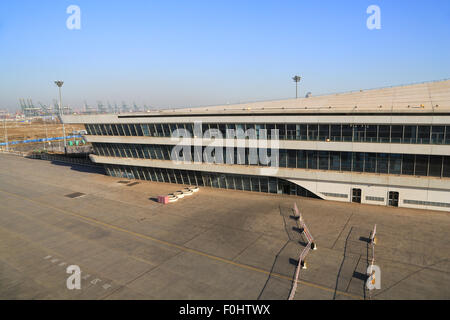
{"x":138,"y":130}
{"x":281,"y":130}
{"x":437,"y":134}
{"x":447,"y":135}
{"x":313,"y":131}
{"x":335,"y":160}
{"x":408,"y":164}
{"x":384,"y":133}
{"x":126,"y":129}
{"x":302,"y":132}
{"x":410,"y":134}
{"x":312,"y":159}
{"x":336,"y":133}
{"x":427,"y":203}
{"x":87,"y":127}
{"x":346,"y":161}
{"x":396,"y":134}
{"x":370,"y":162}
{"x":372,"y":133}
{"x":292,"y":158}
{"x":324,"y":132}
{"x":395,"y":163}
{"x":301,"y":159}
{"x":335,"y":195}
{"x":358,"y":162}
{"x":120,"y":130}
{"x":145,"y":130}
{"x":283,"y":158}
{"x":424,"y":134}
{"x":291,"y":131}
{"x":446,"y":167}
{"x":435,"y":168}
{"x":372,"y":198}
{"x":359,"y":133}
{"x":347,"y":132}
{"x":421,"y":167}
{"x":114,"y":129}
{"x":382,"y":163}
{"x":323,"y":160}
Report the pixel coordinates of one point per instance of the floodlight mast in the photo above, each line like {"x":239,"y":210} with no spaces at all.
{"x":6,"y":134}
{"x":296,"y":80}
{"x":59,"y":85}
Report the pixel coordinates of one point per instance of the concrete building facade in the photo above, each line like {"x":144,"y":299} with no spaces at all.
{"x":388,"y":146}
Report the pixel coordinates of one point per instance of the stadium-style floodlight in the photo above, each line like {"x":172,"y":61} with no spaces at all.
{"x":296,"y":80}
{"x":59,"y":85}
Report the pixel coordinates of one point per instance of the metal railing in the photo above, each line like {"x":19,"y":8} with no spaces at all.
{"x":300,"y":264}
{"x":301,"y":260}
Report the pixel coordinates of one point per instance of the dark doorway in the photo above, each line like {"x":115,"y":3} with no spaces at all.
{"x":286,"y":189}
{"x":393,"y":198}
{"x":356,"y":195}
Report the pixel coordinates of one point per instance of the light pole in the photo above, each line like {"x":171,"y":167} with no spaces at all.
{"x":46,"y":135}
{"x":59,"y":84}
{"x":6,"y":135}
{"x":296,"y":80}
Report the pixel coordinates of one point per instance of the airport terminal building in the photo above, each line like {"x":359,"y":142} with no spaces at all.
{"x":388,"y":146}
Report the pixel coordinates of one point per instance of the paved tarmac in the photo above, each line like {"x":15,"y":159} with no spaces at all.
{"x":216,"y":244}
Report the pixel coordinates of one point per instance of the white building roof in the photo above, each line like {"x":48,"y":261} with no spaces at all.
{"x":423,"y":97}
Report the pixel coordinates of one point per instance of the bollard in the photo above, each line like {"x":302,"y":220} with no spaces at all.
{"x":303,"y":264}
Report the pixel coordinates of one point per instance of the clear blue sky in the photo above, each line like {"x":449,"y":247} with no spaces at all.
{"x":179,"y":53}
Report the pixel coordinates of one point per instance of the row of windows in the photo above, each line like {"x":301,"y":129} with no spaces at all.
{"x":372,"y":198}
{"x":335,"y":195}
{"x":209,"y":179}
{"x":405,"y":164}
{"x":420,"y":134}
{"x":427,"y":203}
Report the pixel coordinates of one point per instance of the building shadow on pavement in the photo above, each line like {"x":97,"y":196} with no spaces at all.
{"x":80,"y":168}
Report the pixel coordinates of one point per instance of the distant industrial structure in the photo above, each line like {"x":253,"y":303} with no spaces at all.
{"x":30,"y":110}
